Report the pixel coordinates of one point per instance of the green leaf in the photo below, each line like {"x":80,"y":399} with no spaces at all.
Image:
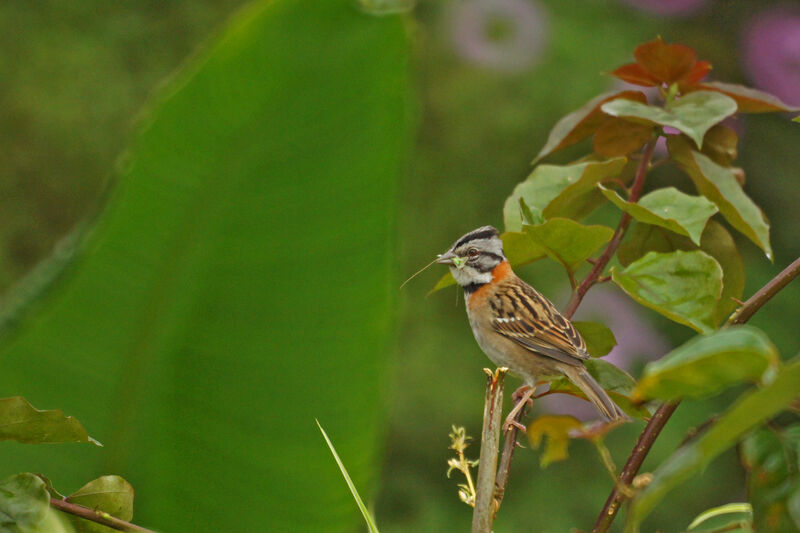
{"x":556,"y":428}
{"x":581,"y":123}
{"x":770,"y":457}
{"x":555,"y":190}
{"x":359,"y":502}
{"x":750,"y":410}
{"x":616,"y":382}
{"x":683,"y":286}
{"x":24,"y":503}
{"x":707,"y":365}
{"x":693,"y":114}
{"x":22,"y":422}
{"x":109,"y":494}
{"x":670,"y":209}
{"x":619,"y":137}
{"x":219,"y":281}
{"x":716,"y":241}
{"x":569,"y":242}
{"x":720,"y":144}
{"x":519,"y":249}
{"x":718,"y":184}
{"x":528,"y":216}
{"x":599,"y":339}
{"x":729,"y":517}
{"x":749,"y":100}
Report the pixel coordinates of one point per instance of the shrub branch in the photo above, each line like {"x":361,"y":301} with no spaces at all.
{"x":601,"y":263}
{"x":98,"y":517}
{"x":665,"y":411}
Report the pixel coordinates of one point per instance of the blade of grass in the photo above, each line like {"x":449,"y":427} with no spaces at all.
{"x":363,"y":508}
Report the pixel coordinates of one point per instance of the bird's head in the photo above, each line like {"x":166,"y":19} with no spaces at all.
{"x":473,"y":257}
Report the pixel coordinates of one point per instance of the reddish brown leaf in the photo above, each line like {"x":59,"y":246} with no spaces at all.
{"x":583,"y":122}
{"x":635,"y":74}
{"x":619,"y":137}
{"x":749,"y":100}
{"x":665,"y":62}
{"x":699,"y":71}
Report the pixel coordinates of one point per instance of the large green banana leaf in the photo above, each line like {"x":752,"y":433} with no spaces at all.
{"x":236,"y":286}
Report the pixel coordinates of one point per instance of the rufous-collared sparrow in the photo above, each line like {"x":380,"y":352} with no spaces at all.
{"x":515,"y":325}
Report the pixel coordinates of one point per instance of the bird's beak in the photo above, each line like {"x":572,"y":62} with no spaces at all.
{"x":449,"y":258}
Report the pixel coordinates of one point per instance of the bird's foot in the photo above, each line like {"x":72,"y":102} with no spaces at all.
{"x":511,"y":422}
{"x":521,"y":397}
{"x":520,"y":393}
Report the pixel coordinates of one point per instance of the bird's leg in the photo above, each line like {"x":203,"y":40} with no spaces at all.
{"x":521,"y":398}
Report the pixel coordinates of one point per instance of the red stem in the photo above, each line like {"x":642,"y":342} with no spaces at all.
{"x":624,"y":222}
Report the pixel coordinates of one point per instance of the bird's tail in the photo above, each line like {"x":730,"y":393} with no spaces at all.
{"x":584,"y":380}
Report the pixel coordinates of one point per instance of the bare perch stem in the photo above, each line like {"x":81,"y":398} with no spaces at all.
{"x":490,"y":444}
{"x":611,"y":248}
{"x":664,"y":412}
{"x":98,"y":517}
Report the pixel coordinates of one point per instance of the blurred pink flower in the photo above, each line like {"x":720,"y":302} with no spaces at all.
{"x":508,"y":35}
{"x":668,"y":8}
{"x":771,"y":52}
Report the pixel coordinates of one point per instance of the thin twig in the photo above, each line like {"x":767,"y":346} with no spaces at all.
{"x":664,"y":412}
{"x":766,"y":292}
{"x":611,"y":248}
{"x":98,"y":517}
{"x":490,"y":443}
{"x":509,"y":445}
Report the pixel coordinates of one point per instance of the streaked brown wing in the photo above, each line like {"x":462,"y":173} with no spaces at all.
{"x":528,"y":318}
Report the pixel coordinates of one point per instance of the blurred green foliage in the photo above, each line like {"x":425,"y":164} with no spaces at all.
{"x":78,"y":73}
{"x":216,"y":309}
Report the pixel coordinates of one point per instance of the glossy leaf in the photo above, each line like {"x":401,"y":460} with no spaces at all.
{"x":670,"y":209}
{"x":616,"y":382}
{"x":693,"y":114}
{"x":618,"y":137}
{"x":519,"y":249}
{"x":707,"y":365}
{"x":750,"y":410}
{"x":110,"y":494}
{"x":749,"y":100}
{"x":720,"y":144}
{"x":556,"y":428}
{"x":599,"y":339}
{"x":557,"y":190}
{"x":770,"y":456}
{"x":580,"y":196}
{"x":718,"y":184}
{"x":582,"y":122}
{"x":716,"y":241}
{"x":219,"y":282}
{"x":569,"y":242}
{"x":22,"y":422}
{"x":24,"y":503}
{"x":634,"y":73}
{"x":683,"y":286}
{"x":731,"y":517}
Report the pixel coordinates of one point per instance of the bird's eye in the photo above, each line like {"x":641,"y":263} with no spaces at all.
{"x":472,"y":252}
